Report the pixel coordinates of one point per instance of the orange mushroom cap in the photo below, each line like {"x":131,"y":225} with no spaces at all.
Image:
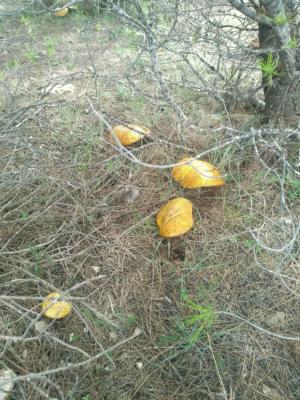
{"x":175,"y":218}
{"x":62,"y":13}
{"x":196,"y":174}
{"x":130,"y":134}
{"x":55,"y":309}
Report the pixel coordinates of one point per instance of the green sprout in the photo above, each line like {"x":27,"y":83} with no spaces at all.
{"x":201,"y":321}
{"x":292,"y":43}
{"x":269,"y":68}
{"x":280,"y":19}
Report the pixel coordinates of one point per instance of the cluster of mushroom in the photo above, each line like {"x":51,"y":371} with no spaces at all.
{"x":176,"y":217}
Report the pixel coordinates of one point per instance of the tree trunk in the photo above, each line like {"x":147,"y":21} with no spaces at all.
{"x":282,"y":94}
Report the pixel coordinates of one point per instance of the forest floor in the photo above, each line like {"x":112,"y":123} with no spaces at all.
{"x":78,"y":216}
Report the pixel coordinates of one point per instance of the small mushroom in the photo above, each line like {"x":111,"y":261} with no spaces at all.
{"x":62,"y":12}
{"x":55,"y":309}
{"x":175,"y":218}
{"x":197,"y":173}
{"x":130,"y":134}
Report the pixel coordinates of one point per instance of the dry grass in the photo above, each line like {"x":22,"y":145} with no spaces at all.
{"x":65,"y":219}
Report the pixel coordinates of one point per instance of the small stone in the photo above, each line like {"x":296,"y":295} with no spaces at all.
{"x":139,"y":365}
{"x":96,"y":268}
{"x":6,"y":383}
{"x":272,"y":393}
{"x":41,"y":326}
{"x":275,"y":319}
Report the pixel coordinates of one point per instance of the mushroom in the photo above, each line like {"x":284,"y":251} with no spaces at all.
{"x":175,"y":218}
{"x":55,"y":309}
{"x":130,"y":134}
{"x":62,"y":12}
{"x":197,"y":173}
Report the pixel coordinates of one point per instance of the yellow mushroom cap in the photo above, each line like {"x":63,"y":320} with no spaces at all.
{"x":197,"y":174}
{"x":62,"y":13}
{"x":130,"y":134}
{"x":175,"y":218}
{"x":58,"y":309}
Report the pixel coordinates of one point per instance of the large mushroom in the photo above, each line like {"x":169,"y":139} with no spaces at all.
{"x":197,"y":173}
{"x":175,"y":218}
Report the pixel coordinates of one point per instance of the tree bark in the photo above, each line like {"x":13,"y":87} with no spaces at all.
{"x":282,"y":96}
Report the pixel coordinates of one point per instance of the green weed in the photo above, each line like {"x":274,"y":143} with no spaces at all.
{"x":280,"y":19}
{"x":24,"y":215}
{"x":197,"y":325}
{"x":31,"y":55}
{"x":269,"y":67}
{"x":292,"y":43}
{"x":26,"y":20}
